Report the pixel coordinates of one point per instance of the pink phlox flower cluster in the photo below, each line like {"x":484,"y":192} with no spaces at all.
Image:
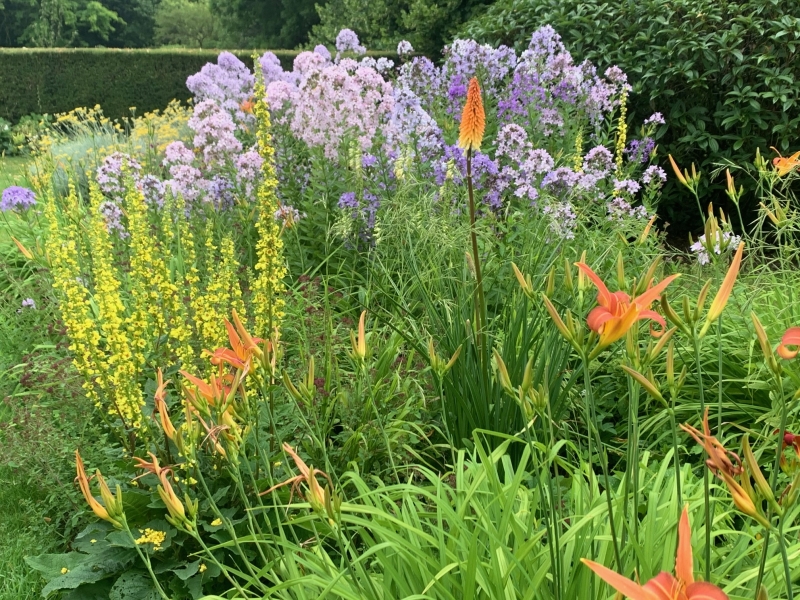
{"x":248,"y":170}
{"x":229,"y":83}
{"x":347,"y":41}
{"x":215,"y":133}
{"x":112,"y":170}
{"x":620,"y":209}
{"x":339,"y":101}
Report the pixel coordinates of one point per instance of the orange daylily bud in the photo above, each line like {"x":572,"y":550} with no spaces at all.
{"x":359,"y":342}
{"x":112,"y":510}
{"x":763,"y":341}
{"x":566,"y":332}
{"x":524,"y":282}
{"x":502,"y":372}
{"x":647,"y":229}
{"x":646,"y":383}
{"x":677,"y":171}
{"x":721,"y":299}
{"x":161,"y":407}
{"x":25,"y":252}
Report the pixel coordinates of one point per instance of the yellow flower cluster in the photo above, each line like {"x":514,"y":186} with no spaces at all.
{"x":577,"y":164}
{"x":123,"y":370}
{"x":212,"y":306}
{"x":75,"y":305}
{"x":152,"y":536}
{"x":155,"y":130}
{"x":268,"y":288}
{"x":622,"y":131}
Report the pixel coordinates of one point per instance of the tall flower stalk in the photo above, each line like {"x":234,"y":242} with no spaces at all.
{"x":473,"y":125}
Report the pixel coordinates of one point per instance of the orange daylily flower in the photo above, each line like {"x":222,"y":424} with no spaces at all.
{"x":616,"y":312}
{"x":213,"y":393}
{"x":247,"y":106}
{"x":473,"y":119}
{"x":665,"y":586}
{"x":727,"y":465}
{"x":240,"y":352}
{"x":790,"y":343}
{"x":784,"y":165}
{"x":316,"y":495}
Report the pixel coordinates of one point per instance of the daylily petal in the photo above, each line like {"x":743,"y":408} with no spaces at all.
{"x":684,"y":566}
{"x":721,"y":299}
{"x":604,"y":297}
{"x":663,"y":586}
{"x":702,"y":590}
{"x":616,"y":328}
{"x":647,"y":298}
{"x":790,"y":338}
{"x":598,"y":317}
{"x":654,"y":316}
{"x":623,"y":585}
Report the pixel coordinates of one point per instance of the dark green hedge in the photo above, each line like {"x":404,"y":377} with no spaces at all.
{"x":58,"y":80}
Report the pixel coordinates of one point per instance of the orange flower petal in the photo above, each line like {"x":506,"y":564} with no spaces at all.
{"x":684,"y":566}
{"x":654,"y":293}
{"x":624,"y":586}
{"x":604,"y":297}
{"x":664,"y":587}
{"x":616,"y":328}
{"x":702,"y":590}
{"x":598,"y":317}
{"x":790,"y":338}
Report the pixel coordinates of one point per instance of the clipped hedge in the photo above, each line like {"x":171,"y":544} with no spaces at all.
{"x":54,"y":80}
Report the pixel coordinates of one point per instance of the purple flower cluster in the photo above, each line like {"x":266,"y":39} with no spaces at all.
{"x":17,"y":198}
{"x":29,"y":303}
{"x":112,"y":172}
{"x":229,"y":83}
{"x":640,"y":150}
{"x":725,"y":241}
{"x":404,"y":48}
{"x":347,"y":41}
{"x":112,"y":214}
{"x":654,"y":175}
{"x":214,"y":133}
{"x":620,"y":209}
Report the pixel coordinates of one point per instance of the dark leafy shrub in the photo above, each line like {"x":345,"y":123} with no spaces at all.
{"x":724,"y":73}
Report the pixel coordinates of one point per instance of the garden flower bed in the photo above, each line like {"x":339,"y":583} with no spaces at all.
{"x":361,"y":329}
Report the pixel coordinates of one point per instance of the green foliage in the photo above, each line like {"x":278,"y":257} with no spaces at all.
{"x":724,"y":74}
{"x":188,"y":24}
{"x":54,"y":81}
{"x":268,"y":23}
{"x":381,"y":24}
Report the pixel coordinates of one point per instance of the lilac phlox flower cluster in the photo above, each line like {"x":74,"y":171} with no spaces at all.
{"x":465,"y":59}
{"x":546,"y":76}
{"x":627,"y":186}
{"x":640,"y":150}
{"x":424,"y":78}
{"x":655,"y":119}
{"x":186,"y":179}
{"x":112,"y":214}
{"x":561,"y":181}
{"x":29,"y":303}
{"x":409,"y":122}
{"x":620,"y":209}
{"x":339,"y":101}
{"x":323,"y":52}
{"x":248,"y":170}
{"x":599,"y":159}
{"x":153,"y":190}
{"x":654,"y":175}
{"x":404,"y":48}
{"x":526,"y":164}
{"x":214,"y":133}
{"x":364,"y":210}
{"x":725,"y":241}
{"x":111,"y":173}
{"x":220,"y":192}
{"x":490,"y":180}
{"x":288,"y":215}
{"x":347,"y":41}
{"x":229,"y":83}
{"x":451,"y":166}
{"x":562,"y":219}
{"x":382,"y":65}
{"x":17,"y":198}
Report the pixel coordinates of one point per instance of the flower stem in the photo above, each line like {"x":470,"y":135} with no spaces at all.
{"x":480,"y":304}
{"x":706,"y":484}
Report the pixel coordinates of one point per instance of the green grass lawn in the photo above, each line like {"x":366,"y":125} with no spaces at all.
{"x":12,"y":170}
{"x":24,"y":533}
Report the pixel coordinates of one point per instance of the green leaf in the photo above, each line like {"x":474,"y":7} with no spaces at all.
{"x":134,"y":586}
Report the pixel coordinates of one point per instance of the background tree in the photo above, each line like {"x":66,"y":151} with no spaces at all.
{"x":187,"y":23}
{"x":268,"y":23}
